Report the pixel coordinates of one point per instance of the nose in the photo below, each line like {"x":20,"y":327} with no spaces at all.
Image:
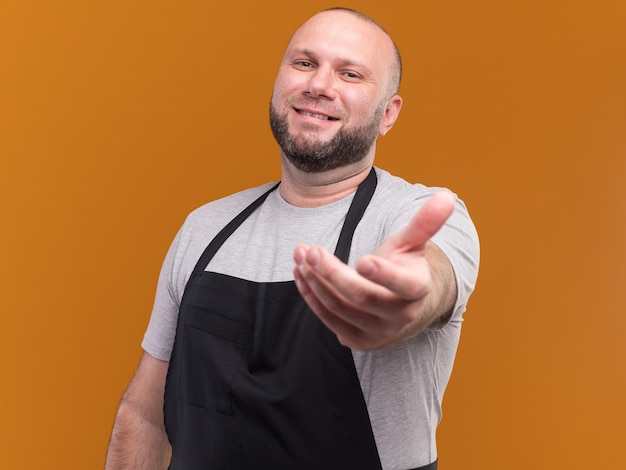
{"x":321,"y":84}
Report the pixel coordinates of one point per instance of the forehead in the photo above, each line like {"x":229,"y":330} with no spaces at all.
{"x":344,"y":36}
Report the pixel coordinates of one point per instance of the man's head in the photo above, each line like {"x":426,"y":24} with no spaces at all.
{"x":336,"y":91}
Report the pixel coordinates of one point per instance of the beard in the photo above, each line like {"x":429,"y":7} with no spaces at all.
{"x":314,"y":156}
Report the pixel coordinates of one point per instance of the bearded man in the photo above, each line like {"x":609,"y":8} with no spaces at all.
{"x":311,"y":323}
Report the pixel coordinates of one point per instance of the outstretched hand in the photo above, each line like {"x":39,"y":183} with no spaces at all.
{"x":391,"y":294}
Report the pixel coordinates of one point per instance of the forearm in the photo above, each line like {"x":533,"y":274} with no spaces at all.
{"x":138,"y":442}
{"x":438,"y":304}
{"x":443,"y":292}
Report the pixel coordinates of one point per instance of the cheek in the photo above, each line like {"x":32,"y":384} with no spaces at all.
{"x":363,"y":107}
{"x":281,"y":95}
{"x":287,"y":83}
{"x":276,"y":91}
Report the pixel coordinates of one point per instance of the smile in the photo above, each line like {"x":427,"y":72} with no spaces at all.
{"x":317,"y":116}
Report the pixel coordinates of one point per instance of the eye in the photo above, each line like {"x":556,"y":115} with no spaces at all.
{"x":303,"y":64}
{"x":351,"y":75}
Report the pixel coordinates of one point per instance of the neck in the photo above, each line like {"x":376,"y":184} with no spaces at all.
{"x":304,"y":189}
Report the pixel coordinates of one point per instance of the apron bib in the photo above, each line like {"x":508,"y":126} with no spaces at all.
{"x":256,"y":381}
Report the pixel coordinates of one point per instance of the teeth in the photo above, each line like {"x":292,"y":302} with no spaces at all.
{"x":318,"y":116}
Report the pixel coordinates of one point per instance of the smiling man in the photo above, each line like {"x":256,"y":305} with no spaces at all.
{"x":310,"y":324}
{"x":333,"y":123}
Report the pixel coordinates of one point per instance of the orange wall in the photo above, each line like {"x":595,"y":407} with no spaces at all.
{"x":118,"y":118}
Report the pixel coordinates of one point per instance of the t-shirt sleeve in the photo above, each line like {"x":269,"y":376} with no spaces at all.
{"x":458,"y":239}
{"x":158,"y":339}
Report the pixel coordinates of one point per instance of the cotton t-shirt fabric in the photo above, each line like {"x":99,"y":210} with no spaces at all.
{"x":403,"y":384}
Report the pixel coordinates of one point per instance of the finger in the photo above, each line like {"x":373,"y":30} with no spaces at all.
{"x":424,"y":224}
{"x":300,"y":253}
{"x":336,"y":324}
{"x":352,"y":328}
{"x":410,"y":282}
{"x":341,"y":289}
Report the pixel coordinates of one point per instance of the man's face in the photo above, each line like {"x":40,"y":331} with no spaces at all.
{"x":332,"y":90}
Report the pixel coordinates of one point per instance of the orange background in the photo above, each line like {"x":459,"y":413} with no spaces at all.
{"x":118,"y":118}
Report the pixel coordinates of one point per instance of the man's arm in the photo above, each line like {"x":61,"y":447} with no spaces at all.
{"x":138,"y":440}
{"x":399,"y":290}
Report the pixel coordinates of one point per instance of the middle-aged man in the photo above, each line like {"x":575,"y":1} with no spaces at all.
{"x":311,"y":324}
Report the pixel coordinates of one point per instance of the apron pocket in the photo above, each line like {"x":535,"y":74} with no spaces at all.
{"x":212,"y":350}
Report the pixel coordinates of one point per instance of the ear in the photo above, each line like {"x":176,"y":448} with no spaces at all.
{"x":391,"y":114}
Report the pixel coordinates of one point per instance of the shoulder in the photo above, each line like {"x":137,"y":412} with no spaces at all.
{"x":396,"y":201}
{"x":401,"y":199}
{"x":205,"y":222}
{"x":226,"y":207}
{"x":398,"y":190}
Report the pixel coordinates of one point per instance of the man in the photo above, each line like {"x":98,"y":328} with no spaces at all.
{"x":311,"y":324}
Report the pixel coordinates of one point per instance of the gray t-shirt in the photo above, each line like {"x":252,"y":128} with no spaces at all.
{"x":403,"y":385}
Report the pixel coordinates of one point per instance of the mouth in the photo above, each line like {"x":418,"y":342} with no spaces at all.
{"x":322,"y":117}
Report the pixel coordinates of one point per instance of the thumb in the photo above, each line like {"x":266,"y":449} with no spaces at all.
{"x":424,"y":224}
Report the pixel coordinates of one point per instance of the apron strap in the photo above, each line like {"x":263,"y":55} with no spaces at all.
{"x":361,"y":199}
{"x":430,"y":466}
{"x":227,"y":231}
